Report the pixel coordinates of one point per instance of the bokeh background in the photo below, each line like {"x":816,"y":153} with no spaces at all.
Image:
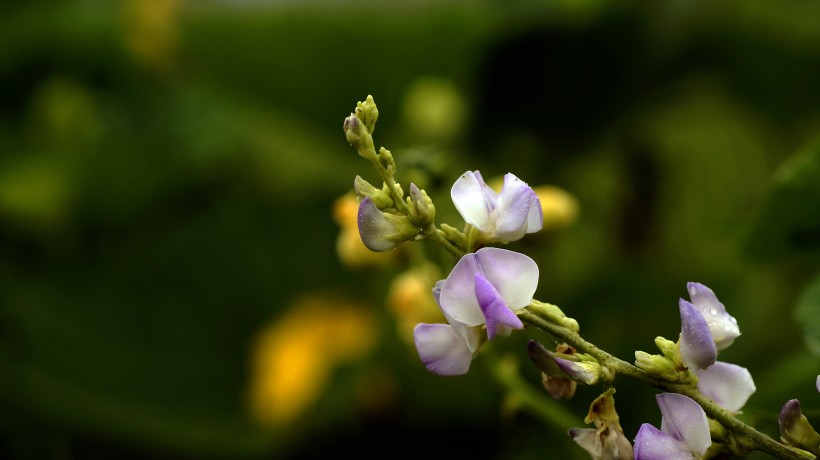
{"x":179,"y":269}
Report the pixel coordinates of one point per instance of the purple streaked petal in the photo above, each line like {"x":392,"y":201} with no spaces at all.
{"x":513,"y":208}
{"x":789,"y":418}
{"x":728,"y":385}
{"x":543,"y":359}
{"x":535,"y":219}
{"x":684,"y":419}
{"x":373,"y":226}
{"x":723,"y":325}
{"x":514,"y":275}
{"x":458,"y":298}
{"x":473,"y":200}
{"x":653,"y":444}
{"x":586,"y":373}
{"x":441,"y":349}
{"x":697,"y":348}
{"x":496,"y":312}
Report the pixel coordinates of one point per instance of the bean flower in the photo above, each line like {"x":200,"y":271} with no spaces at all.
{"x":684,"y":432}
{"x":484,"y":290}
{"x":504,"y":216}
{"x":706,"y":328}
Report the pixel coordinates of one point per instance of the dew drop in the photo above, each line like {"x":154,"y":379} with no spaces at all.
{"x":713,"y":311}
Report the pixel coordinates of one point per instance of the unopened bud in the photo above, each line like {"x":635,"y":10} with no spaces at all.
{"x":383,"y":231}
{"x":368,"y":113}
{"x":352,"y":127}
{"x":796,"y":429}
{"x":585,"y":372}
{"x":364,"y":189}
{"x":656,"y":365}
{"x":421,"y":206}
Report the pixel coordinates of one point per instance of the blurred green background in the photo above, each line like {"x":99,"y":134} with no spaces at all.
{"x":170,"y":177}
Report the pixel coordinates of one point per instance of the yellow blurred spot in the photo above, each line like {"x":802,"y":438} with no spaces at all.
{"x":349,"y":247}
{"x":560,"y":207}
{"x":151,"y":30}
{"x":434,"y":109}
{"x":411,"y":301}
{"x":293,"y":358}
{"x":37,"y":193}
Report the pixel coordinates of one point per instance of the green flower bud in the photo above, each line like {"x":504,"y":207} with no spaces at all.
{"x":380,"y":197}
{"x":657,"y":365}
{"x":421,"y":206}
{"x":368,"y":113}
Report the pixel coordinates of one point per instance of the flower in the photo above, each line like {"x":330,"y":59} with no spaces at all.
{"x":487,"y":286}
{"x":504,"y":216}
{"x":795,"y":428}
{"x":382,"y":231}
{"x":484,"y":287}
{"x":684,"y":431}
{"x":446,"y":349}
{"x":706,"y":328}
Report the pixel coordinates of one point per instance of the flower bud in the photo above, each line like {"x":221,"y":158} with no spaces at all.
{"x":352,"y":127}
{"x":552,"y":377}
{"x":585,"y":372}
{"x":382,"y":231}
{"x":368,"y":113}
{"x":796,"y":429}
{"x":656,"y":365}
{"x":380,"y":198}
{"x":421,"y":206}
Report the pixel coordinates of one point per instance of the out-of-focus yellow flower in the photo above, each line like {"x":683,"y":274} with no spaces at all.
{"x":293,"y":358}
{"x":151,"y":30}
{"x":349,"y":246}
{"x":434,"y":110}
{"x":560,"y":207}
{"x":411,"y":301}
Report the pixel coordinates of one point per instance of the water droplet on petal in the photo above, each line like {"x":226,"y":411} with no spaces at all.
{"x":713,"y":311}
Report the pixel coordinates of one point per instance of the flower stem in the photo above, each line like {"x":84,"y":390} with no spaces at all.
{"x":757,"y":440}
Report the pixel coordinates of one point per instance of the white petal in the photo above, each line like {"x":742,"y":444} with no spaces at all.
{"x":458,"y":299}
{"x":535,"y":219}
{"x":472,"y":200}
{"x":723,"y":325}
{"x":684,"y":419}
{"x":653,"y":444}
{"x":441,"y":349}
{"x":728,"y":385}
{"x":513,"y":209}
{"x":514,"y":275}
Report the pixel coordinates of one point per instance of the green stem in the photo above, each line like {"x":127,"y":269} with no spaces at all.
{"x":757,"y":440}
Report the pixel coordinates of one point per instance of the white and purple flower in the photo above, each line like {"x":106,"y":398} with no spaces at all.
{"x":706,"y":328}
{"x":485,"y":288}
{"x":684,"y":432}
{"x":504,"y":216}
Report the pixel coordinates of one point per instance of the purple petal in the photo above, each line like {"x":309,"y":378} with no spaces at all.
{"x":373,"y":226}
{"x":458,"y":298}
{"x":817,"y":383}
{"x":543,"y":359}
{"x":496,"y":312}
{"x":578,"y":372}
{"x":513,"y":208}
{"x":514,"y":275}
{"x":728,"y":385}
{"x":723,"y":325}
{"x":684,"y":419}
{"x":441,"y":349}
{"x":697,"y":348}
{"x":790,"y":416}
{"x":653,"y":444}
{"x":473,"y":200}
